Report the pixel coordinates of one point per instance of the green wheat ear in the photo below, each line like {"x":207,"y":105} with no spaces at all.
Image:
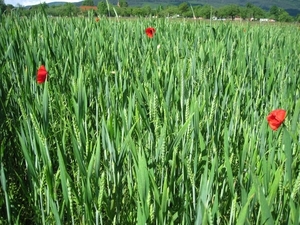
{"x":76,"y":131}
{"x":187,"y":115}
{"x":153,"y":109}
{"x":213,"y":108}
{"x":101,"y":184}
{"x":190,"y":172}
{"x":8,"y":97}
{"x":70,"y":197}
{"x":37,"y":130}
{"x":23,"y":112}
{"x":152,"y":213}
{"x":210,"y":216}
{"x":296,"y":187}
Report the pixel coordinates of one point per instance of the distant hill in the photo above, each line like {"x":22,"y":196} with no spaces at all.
{"x":56,"y":3}
{"x":291,"y":6}
{"x":62,"y":3}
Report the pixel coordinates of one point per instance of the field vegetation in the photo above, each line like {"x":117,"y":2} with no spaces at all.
{"x":122,"y":8}
{"x":129,"y":129}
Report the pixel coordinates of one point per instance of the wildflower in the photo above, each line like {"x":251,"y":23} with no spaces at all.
{"x":41,"y":74}
{"x":276,"y":118}
{"x":150,"y":31}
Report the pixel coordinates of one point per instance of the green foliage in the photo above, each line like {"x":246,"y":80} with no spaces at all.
{"x":2,"y":6}
{"x":204,"y":11}
{"x":252,"y":11}
{"x":102,"y":8}
{"x":142,"y":11}
{"x":133,"y":130}
{"x":68,"y":9}
{"x":122,"y":3}
{"x":183,"y":7}
{"x":285,"y":17}
{"x":275,"y":12}
{"x":88,"y":3}
{"x":182,"y":10}
{"x":230,"y":11}
{"x":280,"y":14}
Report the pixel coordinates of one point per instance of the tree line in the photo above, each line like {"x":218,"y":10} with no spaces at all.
{"x":184,"y":9}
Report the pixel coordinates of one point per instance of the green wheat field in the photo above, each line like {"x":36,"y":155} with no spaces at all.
{"x":129,"y":129}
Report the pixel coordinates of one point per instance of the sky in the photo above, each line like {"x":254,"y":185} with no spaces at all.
{"x":34,"y":2}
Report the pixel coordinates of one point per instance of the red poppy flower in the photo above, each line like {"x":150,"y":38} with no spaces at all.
{"x":276,"y":118}
{"x":150,"y":31}
{"x":41,"y":75}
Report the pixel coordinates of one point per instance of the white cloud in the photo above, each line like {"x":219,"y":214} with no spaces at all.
{"x":34,"y":2}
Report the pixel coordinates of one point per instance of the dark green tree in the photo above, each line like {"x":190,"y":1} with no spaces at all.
{"x":125,"y":11}
{"x":172,"y":11}
{"x":2,"y":6}
{"x":183,"y":7}
{"x":137,"y":11}
{"x":43,"y":6}
{"x":249,"y":5}
{"x":88,"y":3}
{"x":159,"y":9}
{"x":146,"y":10}
{"x":284,"y":16}
{"x":221,"y":13}
{"x":162,"y":11}
{"x":274,"y":12}
{"x":9,"y":8}
{"x":232,"y":11}
{"x":248,"y":10}
{"x":70,"y":9}
{"x":102,"y":8}
{"x":298,"y":18}
{"x":205,"y":11}
{"x":123,"y":3}
{"x":244,"y":13}
{"x":252,"y":11}
{"x":258,"y":12}
{"x":54,"y":11}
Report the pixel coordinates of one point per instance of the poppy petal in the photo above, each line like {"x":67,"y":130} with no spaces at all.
{"x":150,"y":31}
{"x":41,"y":74}
{"x":276,"y":118}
